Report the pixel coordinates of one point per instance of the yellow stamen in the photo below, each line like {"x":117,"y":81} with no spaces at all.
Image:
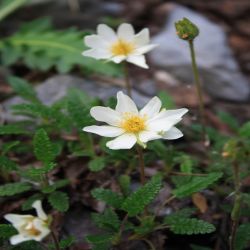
{"x":122,"y":48}
{"x":133,"y":123}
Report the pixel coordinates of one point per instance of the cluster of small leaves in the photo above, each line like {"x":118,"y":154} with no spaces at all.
{"x":41,"y":47}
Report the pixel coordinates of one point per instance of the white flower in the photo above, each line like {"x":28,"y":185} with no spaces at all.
{"x":125,"y":45}
{"x":131,"y":126}
{"x":29,"y":227}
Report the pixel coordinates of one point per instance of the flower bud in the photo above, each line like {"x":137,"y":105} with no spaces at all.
{"x":186,"y":30}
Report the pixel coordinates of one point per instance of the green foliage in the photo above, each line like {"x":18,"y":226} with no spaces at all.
{"x":111,"y":198}
{"x":167,"y":100}
{"x":41,"y":47}
{"x":53,"y":187}
{"x":8,"y":146}
{"x":183,"y":213}
{"x":136,"y":202}
{"x":196,"y":184}
{"x":14,"y":188}
{"x":6,"y":231}
{"x":189,"y":226}
{"x":100,"y":242}
{"x":186,"y":163}
{"x":43,"y":147}
{"x":97,"y":164}
{"x":78,"y":105}
{"x":9,"y":6}
{"x":229,"y":120}
{"x":108,"y":220}
{"x":23,"y":88}
{"x":12,"y":129}
{"x":27,"y":205}
{"x":244,"y":131}
{"x":125,"y":181}
{"x":242,"y":237}
{"x":147,"y":226}
{"x":7,"y":165}
{"x":59,"y":201}
{"x":65,"y":243}
{"x":28,"y":245}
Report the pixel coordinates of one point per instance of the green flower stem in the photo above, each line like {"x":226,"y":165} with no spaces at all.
{"x":198,"y":89}
{"x":141,"y":165}
{"x":127,"y":80}
{"x":55,"y":239}
{"x":235,"y":214}
{"x":15,"y":4}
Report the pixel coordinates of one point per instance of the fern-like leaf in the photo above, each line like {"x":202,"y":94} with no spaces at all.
{"x":136,"y":202}
{"x":14,"y":188}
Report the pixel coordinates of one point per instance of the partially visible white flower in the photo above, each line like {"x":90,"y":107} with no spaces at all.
{"x":120,"y":46}
{"x":131,"y":126}
{"x":29,"y":227}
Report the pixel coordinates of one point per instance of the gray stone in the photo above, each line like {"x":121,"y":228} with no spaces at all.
{"x":57,"y":86}
{"x":219,"y":70}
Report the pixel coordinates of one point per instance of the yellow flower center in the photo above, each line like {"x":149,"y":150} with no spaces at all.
{"x":122,"y":48}
{"x":30,"y":229}
{"x":133,"y":123}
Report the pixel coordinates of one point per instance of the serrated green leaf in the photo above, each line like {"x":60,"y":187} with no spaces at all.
{"x":97,"y":164}
{"x":242,"y":237}
{"x":12,"y":129}
{"x":189,"y":226}
{"x":183,"y":213}
{"x":14,"y":188}
{"x":100,"y":242}
{"x":124,"y":182}
{"x":6,"y":231}
{"x":147,"y":226}
{"x":244,"y":131}
{"x":44,"y":49}
{"x":111,"y":198}
{"x":65,"y":243}
{"x":53,"y":187}
{"x":23,"y":88}
{"x":28,"y":245}
{"x":108,"y":220}
{"x":8,"y":146}
{"x":136,"y":202}
{"x":43,"y":147}
{"x":59,"y":201}
{"x":7,"y":165}
{"x":196,"y":184}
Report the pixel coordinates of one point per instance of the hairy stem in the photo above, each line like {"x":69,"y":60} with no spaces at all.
{"x":127,"y":80}
{"x":235,"y":214}
{"x":198,"y":90}
{"x":141,"y":165}
{"x":55,"y":239}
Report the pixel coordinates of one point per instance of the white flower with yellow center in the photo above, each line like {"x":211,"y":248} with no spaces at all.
{"x":131,"y":126}
{"x":29,"y":227}
{"x":120,"y":46}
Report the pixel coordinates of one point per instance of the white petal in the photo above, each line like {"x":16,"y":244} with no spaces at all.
{"x":125,"y":141}
{"x":16,"y":219}
{"x":146,"y":136}
{"x":173,"y":133}
{"x":138,"y":60}
{"x":163,"y":124}
{"x":105,"y":114}
{"x":40,"y":213}
{"x":151,"y":108}
{"x":16,"y":239}
{"x":142,"y":38}
{"x":95,"y":41}
{"x":144,"y":49}
{"x":118,"y":59}
{"x":97,"y":53}
{"x":43,"y":228}
{"x":126,"y":32}
{"x":125,"y":104}
{"x":174,"y":113}
{"x":107,"y":131}
{"x":106,"y":32}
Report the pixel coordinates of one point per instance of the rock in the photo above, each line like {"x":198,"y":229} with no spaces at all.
{"x":56,"y":87}
{"x":219,"y":70}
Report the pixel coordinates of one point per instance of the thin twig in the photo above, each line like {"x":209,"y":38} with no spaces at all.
{"x":199,"y":91}
{"x":149,"y":243}
{"x":56,"y":242}
{"x":186,"y":174}
{"x":164,"y":204}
